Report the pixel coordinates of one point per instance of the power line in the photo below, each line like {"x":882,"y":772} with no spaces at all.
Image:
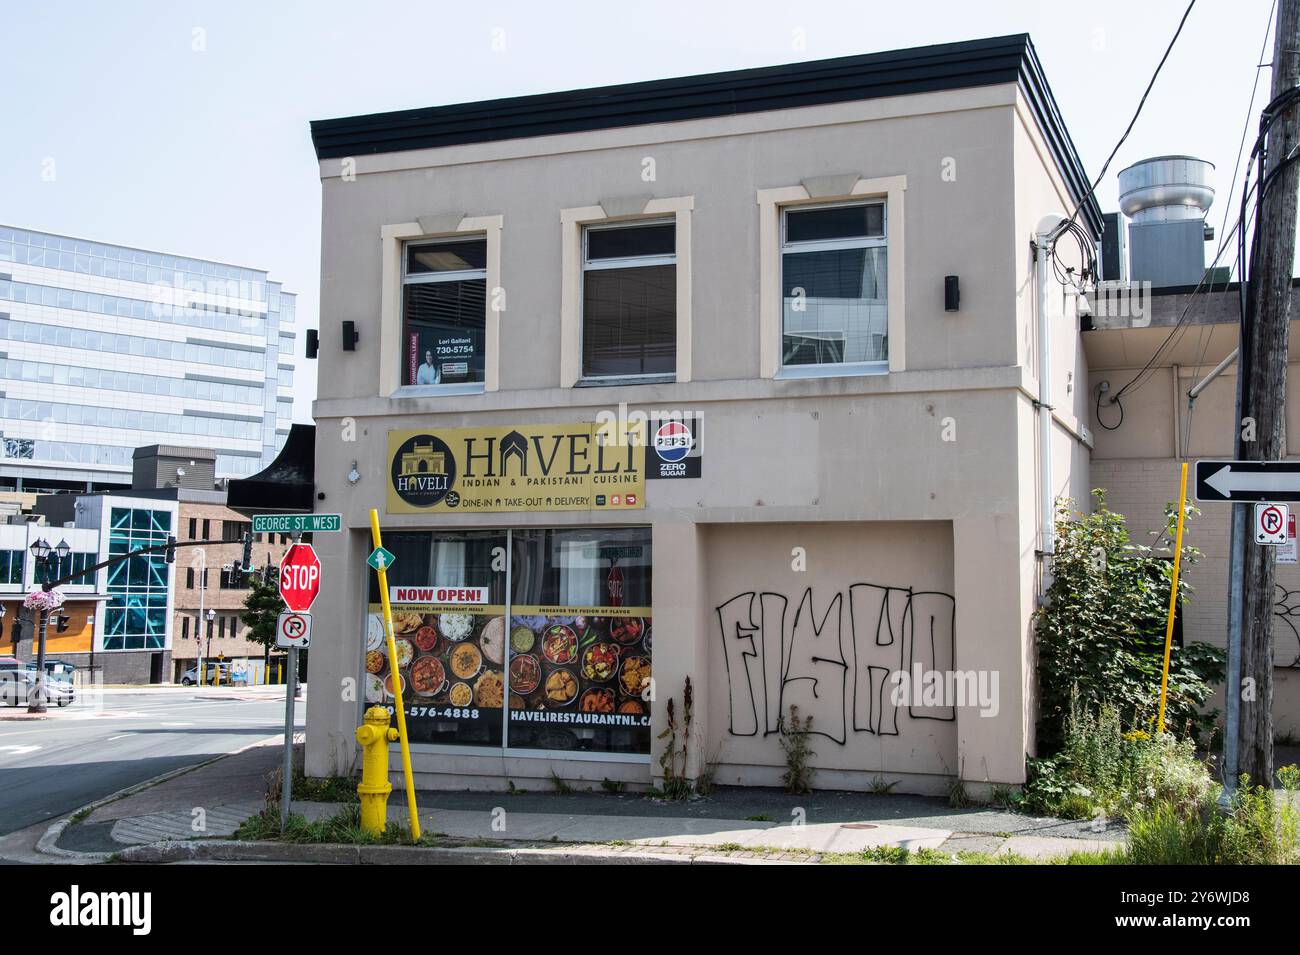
{"x":1136,"y":113}
{"x":1140,"y":378}
{"x":1203,"y":340}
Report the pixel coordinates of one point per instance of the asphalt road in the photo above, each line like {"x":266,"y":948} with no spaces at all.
{"x":100,"y":745}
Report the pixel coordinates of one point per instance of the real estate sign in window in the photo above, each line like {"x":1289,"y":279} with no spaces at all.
{"x":444,"y":300}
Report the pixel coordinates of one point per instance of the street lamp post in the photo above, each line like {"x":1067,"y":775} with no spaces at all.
{"x":41,"y":550}
{"x":202,"y":556}
{"x":212,"y":615}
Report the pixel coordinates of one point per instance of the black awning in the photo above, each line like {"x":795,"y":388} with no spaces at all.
{"x":288,"y":485}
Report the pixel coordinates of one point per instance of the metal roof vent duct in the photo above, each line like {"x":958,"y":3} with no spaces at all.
{"x":1167,"y":198}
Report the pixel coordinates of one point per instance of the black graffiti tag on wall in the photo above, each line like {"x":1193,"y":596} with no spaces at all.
{"x":833,"y":663}
{"x":1286,"y":637}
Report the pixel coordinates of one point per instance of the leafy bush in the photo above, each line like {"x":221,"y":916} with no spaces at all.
{"x":1101,"y":631}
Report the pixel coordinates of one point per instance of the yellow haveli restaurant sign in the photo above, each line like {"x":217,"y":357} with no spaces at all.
{"x":546,"y":467}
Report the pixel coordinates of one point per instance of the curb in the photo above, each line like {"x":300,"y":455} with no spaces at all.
{"x":46,"y":845}
{"x":234,"y":851}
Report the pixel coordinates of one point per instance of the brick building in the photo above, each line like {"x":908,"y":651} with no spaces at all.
{"x":204,"y":584}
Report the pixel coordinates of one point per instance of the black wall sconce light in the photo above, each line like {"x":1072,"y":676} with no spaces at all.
{"x":350,"y":336}
{"x":313,"y":343}
{"x":951,"y":293}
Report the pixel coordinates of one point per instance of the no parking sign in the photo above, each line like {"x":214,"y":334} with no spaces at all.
{"x":1271,"y":524}
{"x":293,"y":629}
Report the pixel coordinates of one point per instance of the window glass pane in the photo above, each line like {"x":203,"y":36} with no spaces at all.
{"x":625,"y":241}
{"x":629,"y":321}
{"x":839,"y":222}
{"x":580,"y":635}
{"x":446,"y":257}
{"x":454,"y":671}
{"x":835,"y":306}
{"x":443,"y":334}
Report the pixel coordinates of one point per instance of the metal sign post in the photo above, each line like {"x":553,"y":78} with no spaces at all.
{"x":290,"y":692}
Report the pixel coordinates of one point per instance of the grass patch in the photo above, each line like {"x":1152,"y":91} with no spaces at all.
{"x":897,"y":855}
{"x":958,"y":797}
{"x":881,"y":787}
{"x":324,"y":788}
{"x":344,"y":828}
{"x":1253,"y":828}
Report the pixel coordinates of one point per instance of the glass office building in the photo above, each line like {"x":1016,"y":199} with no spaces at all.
{"x":104,"y":349}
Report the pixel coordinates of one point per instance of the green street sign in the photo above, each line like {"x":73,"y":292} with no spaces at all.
{"x":380,"y":558}
{"x":297,"y":523}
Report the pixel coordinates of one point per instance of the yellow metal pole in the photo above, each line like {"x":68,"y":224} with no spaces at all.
{"x":397,"y":683}
{"x":1173,"y":599}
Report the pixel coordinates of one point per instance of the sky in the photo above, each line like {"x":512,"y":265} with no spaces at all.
{"x":182,"y":127}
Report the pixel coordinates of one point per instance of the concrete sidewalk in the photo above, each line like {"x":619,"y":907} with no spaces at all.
{"x":181,"y":817}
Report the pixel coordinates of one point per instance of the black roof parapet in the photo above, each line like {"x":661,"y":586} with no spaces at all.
{"x":946,"y":66}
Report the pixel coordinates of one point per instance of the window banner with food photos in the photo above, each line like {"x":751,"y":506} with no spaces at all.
{"x":579,"y":667}
{"x":577,"y":677}
{"x":450,"y":660}
{"x":528,"y":467}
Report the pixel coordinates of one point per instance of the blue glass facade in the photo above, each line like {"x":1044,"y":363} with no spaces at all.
{"x":135,"y":616}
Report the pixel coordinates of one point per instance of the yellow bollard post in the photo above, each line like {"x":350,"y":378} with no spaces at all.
{"x":404,"y":740}
{"x":374,"y":735}
{"x":1173,"y":599}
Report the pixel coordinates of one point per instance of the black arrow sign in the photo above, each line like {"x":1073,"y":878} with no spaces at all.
{"x":1247,"y":481}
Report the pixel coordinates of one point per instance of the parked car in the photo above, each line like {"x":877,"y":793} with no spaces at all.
{"x":18,"y":682}
{"x":210,"y":670}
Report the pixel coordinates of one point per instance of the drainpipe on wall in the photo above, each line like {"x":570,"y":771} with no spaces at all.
{"x":1044,"y":238}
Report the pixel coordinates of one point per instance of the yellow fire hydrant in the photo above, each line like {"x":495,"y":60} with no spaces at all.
{"x":374,"y":735}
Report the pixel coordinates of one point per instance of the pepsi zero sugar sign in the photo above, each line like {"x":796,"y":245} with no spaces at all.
{"x":674,"y":450}
{"x":1248,"y":481}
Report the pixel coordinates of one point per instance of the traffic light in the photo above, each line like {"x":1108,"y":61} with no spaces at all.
{"x":63,"y":624}
{"x":171,"y":549}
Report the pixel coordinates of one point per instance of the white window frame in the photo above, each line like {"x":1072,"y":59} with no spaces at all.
{"x":773,"y":204}
{"x":828,"y":369}
{"x":395,"y":239}
{"x":634,"y":211}
{"x":626,"y":262}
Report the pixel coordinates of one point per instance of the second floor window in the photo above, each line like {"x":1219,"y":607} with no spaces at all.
{"x":835,"y":305}
{"x":629,"y":300}
{"x":444,"y":301}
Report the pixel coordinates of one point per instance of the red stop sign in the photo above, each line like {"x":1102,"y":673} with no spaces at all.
{"x":299,"y":577}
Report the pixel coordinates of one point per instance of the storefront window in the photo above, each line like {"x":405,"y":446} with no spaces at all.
{"x":448,"y":600}
{"x":573,"y":661}
{"x":580,"y":640}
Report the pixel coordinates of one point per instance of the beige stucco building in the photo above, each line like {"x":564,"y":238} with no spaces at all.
{"x":759,"y":258}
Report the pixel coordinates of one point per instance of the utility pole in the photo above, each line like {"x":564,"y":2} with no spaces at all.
{"x":1261,"y":429}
